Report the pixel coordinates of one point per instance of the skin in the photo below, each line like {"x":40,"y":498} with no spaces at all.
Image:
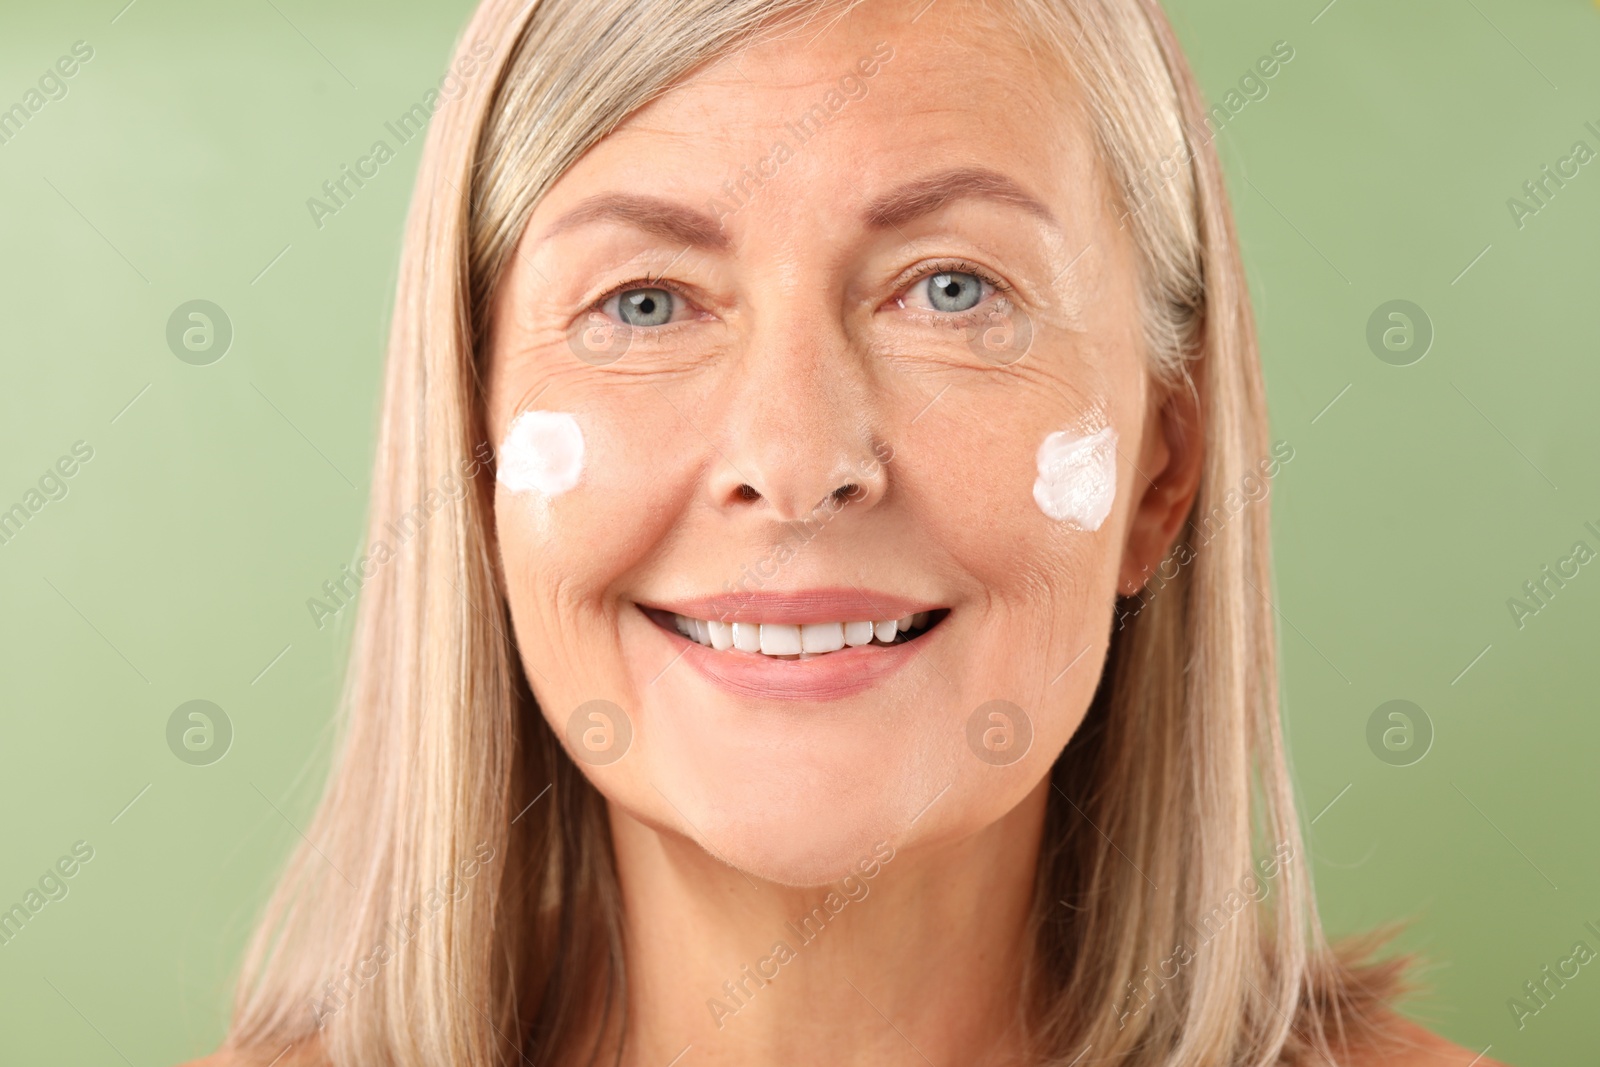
{"x":801,"y":350}
{"x":805,"y":343}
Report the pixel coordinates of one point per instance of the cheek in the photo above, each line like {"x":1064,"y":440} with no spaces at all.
{"x":542,"y":454}
{"x":1077,"y":477}
{"x":1023,"y":506}
{"x":1040,"y":581}
{"x":582,"y":498}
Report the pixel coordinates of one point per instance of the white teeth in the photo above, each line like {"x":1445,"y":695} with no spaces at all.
{"x":746,"y":636}
{"x":780,"y":639}
{"x":822,"y":637}
{"x":788,"y":639}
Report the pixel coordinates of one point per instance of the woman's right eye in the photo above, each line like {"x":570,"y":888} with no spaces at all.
{"x":643,"y":307}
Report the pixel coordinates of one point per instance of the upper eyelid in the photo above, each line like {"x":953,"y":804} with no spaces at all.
{"x":950,"y":266}
{"x":674,"y":288}
{"x":923,"y":272}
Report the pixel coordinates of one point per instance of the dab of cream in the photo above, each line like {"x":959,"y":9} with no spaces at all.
{"x":542,"y":453}
{"x":1077,"y":480}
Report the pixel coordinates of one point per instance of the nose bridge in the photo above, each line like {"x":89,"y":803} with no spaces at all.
{"x":802,"y":425}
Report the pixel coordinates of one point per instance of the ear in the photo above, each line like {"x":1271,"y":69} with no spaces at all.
{"x":1171,"y":457}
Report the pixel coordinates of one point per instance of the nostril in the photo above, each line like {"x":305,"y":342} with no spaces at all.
{"x":845,"y":492}
{"x":748,"y":492}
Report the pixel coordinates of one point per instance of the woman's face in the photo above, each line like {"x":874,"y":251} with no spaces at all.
{"x":795,"y":335}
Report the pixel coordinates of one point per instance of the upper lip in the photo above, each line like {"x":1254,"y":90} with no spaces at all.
{"x":796,"y":607}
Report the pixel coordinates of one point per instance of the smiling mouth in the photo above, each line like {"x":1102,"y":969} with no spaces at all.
{"x":797,"y":641}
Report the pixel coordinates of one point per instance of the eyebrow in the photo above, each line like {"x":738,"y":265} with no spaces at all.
{"x":652,"y":214}
{"x":923,"y":196}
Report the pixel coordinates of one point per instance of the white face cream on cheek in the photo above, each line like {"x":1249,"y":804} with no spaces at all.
{"x":542,"y":453}
{"x":1077,"y":480}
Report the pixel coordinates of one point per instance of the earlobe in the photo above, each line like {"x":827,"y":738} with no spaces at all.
{"x":1171,"y":458}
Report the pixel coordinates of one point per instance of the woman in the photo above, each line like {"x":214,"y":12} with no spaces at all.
{"x":829,"y":670}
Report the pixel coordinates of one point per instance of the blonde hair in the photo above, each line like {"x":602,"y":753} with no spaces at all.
{"x":433,"y":916}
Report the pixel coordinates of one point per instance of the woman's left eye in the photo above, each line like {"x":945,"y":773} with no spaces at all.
{"x":643,"y":307}
{"x":950,"y":291}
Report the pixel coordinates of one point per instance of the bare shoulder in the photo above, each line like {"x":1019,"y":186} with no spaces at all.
{"x":1410,"y":1045}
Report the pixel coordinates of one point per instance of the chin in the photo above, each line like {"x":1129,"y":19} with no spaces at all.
{"x":792,"y":853}
{"x":798,"y":826}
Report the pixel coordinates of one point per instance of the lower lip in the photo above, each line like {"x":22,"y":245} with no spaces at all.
{"x":830,"y":676}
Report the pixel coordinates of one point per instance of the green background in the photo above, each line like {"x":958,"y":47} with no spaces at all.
{"x":220,"y":497}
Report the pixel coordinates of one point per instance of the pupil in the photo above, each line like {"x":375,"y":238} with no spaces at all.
{"x":645,"y":307}
{"x":953,"y":291}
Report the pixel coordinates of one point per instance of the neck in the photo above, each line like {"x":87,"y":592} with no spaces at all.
{"x":919,"y":963}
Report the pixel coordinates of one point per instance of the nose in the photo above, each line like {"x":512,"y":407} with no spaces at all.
{"x":801,"y":434}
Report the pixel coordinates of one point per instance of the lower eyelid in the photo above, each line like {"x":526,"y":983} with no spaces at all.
{"x":953,"y":320}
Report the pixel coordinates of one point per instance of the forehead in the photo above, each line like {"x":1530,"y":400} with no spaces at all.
{"x":853,"y":103}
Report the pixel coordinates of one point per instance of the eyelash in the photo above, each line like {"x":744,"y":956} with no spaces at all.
{"x":646,"y":282}
{"x":954,"y":266}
